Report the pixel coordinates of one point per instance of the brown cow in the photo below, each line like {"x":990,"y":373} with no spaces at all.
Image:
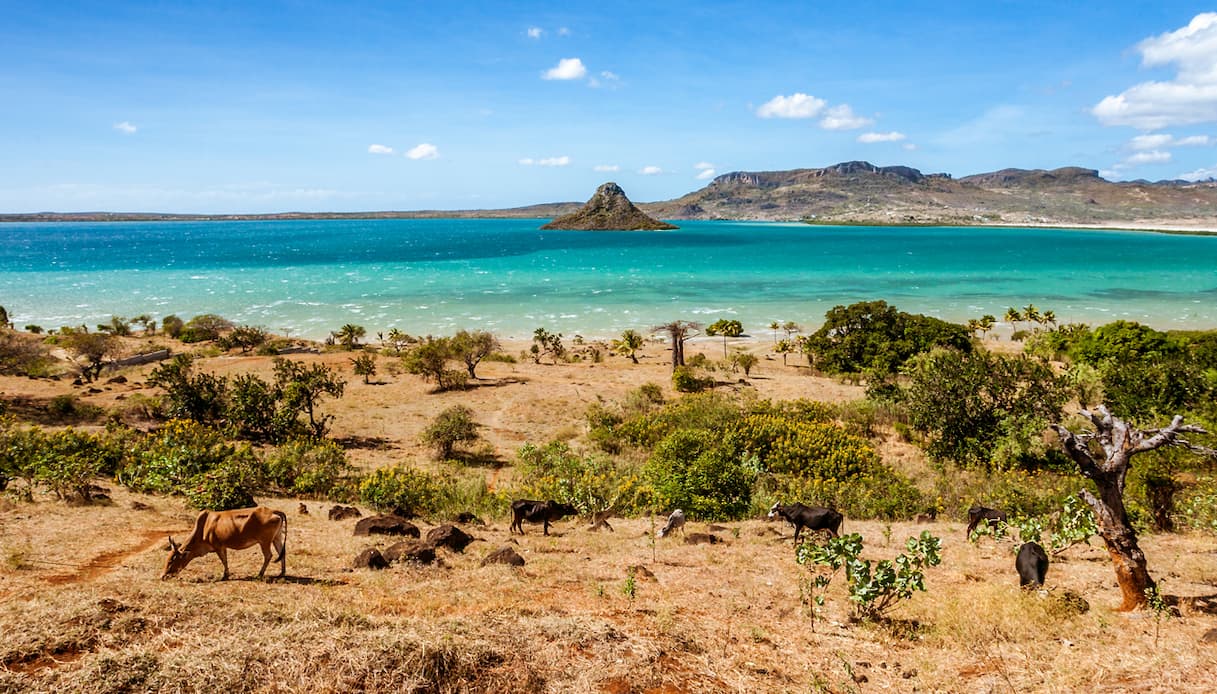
{"x":220,"y":531}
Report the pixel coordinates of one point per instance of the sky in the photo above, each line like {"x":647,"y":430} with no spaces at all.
{"x":269,"y":106}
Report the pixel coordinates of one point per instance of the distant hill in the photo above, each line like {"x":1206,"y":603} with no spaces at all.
{"x":855,"y":192}
{"x":860,"y":192}
{"x":608,"y":209}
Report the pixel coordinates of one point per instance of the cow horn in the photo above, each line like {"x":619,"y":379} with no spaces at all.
{"x":173,"y":544}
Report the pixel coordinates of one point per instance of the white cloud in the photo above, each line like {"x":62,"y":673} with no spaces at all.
{"x":705,"y":174}
{"x":650,"y":171}
{"x":535,"y":32}
{"x":1162,"y":140}
{"x":1191,"y":97}
{"x":566,"y":69}
{"x":379,"y":149}
{"x":909,"y":147}
{"x":125,"y":128}
{"x":609,"y":75}
{"x":1151,"y":157}
{"x":563,"y":31}
{"x":869,"y":138}
{"x":703,"y":165}
{"x":797,"y":105}
{"x":606,"y":168}
{"x":547,"y":161}
{"x":1200,"y":174}
{"x":843,"y":118}
{"x":423,"y":151}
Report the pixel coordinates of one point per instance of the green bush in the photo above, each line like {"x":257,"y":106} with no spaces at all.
{"x":874,"y":589}
{"x":451,"y":426}
{"x":880,"y":493}
{"x":168,"y":460}
{"x":815,"y":450}
{"x":686,"y":381}
{"x":590,"y":483}
{"x":401,"y":489}
{"x":230,"y":484}
{"x":307,"y":467}
{"x":693,"y":471}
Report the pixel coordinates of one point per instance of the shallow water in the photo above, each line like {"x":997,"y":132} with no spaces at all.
{"x":435,"y":276}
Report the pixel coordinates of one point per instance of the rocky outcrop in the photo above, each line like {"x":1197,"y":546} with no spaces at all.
{"x":608,"y":210}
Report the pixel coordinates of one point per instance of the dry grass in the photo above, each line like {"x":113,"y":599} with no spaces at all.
{"x":82,"y":609}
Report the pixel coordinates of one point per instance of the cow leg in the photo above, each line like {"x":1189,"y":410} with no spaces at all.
{"x":265,"y":558}
{"x":546,"y":526}
{"x":223,"y":553}
{"x":797,"y":529}
{"x":281,"y":548}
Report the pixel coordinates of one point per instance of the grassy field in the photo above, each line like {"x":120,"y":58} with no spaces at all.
{"x":82,"y":608}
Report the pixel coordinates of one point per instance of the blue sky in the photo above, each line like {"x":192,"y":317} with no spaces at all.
{"x":276,"y":106}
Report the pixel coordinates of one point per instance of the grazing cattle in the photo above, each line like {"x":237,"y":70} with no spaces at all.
{"x":810,"y":517}
{"x":978,"y":514}
{"x":220,"y":531}
{"x":544,"y":512}
{"x":1031,"y":564}
{"x":676,"y":521}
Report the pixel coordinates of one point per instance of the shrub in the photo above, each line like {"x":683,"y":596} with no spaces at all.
{"x":168,"y":460}
{"x":692,"y":471}
{"x":880,"y":493}
{"x":872,"y":335}
{"x":401,"y":489}
{"x":685,"y":380}
{"x":70,"y":460}
{"x":786,"y":446}
{"x":875,"y":589}
{"x":232,"y":483}
{"x":590,"y":483}
{"x":172,"y":326}
{"x":451,"y":426}
{"x":202,"y":328}
{"x":307,"y":467}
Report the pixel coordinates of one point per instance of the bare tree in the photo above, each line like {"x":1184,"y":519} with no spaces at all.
{"x":1105,"y":456}
{"x":678,"y":331}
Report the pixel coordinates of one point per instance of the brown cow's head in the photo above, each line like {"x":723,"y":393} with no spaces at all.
{"x":178,"y":559}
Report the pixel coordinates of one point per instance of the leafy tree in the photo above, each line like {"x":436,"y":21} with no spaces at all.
{"x":965,"y":401}
{"x":364,"y":365}
{"x":726,"y":328}
{"x":472,"y":347}
{"x":252,"y":410}
{"x":146,"y":322}
{"x":303,"y":387}
{"x":546,"y":343}
{"x":203,"y":328}
{"x":21,"y":355}
{"x":397,"y":341}
{"x":693,"y":471}
{"x":172,"y":326}
{"x":429,"y":359}
{"x":4,"y":320}
{"x":872,"y":335}
{"x":307,"y":467}
{"x":451,"y":426}
{"x":118,"y":327}
{"x":196,"y":396}
{"x":244,"y":337}
{"x":628,"y":344}
{"x":784,"y":348}
{"x":90,"y":352}
{"x":349,"y":336}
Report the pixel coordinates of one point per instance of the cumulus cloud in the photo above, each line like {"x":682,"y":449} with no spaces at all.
{"x":1200,"y":174}
{"x":797,"y":105}
{"x":1151,"y":157}
{"x":609,"y":168}
{"x":125,"y":128}
{"x":425,"y":150}
{"x":535,"y":32}
{"x":547,"y":161}
{"x":909,"y":147}
{"x":650,"y":171}
{"x":1191,"y":97}
{"x":843,"y":118}
{"x":379,"y":149}
{"x":869,"y":138}
{"x":705,"y":174}
{"x":566,"y":69}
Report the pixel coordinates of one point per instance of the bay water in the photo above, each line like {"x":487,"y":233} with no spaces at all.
{"x":435,"y":276}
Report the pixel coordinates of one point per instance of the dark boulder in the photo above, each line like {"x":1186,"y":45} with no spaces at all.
{"x":338,"y":513}
{"x":370,"y":558}
{"x":416,"y":551}
{"x":503,"y":555}
{"x":386,"y":525}
{"x":449,"y":536}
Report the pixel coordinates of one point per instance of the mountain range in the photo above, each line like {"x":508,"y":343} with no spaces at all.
{"x":857,"y":192}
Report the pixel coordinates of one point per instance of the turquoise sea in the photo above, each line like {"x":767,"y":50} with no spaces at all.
{"x":437,"y":276}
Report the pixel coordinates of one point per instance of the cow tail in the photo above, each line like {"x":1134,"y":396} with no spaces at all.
{"x":283,"y":551}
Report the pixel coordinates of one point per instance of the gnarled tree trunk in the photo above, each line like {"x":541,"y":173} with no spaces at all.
{"x":1119,"y":442}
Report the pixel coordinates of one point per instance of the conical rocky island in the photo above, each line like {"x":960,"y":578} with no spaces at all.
{"x":609,"y":209}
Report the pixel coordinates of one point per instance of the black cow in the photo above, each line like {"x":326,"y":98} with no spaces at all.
{"x":810,"y":517}
{"x":1031,"y":564}
{"x":990,"y":516}
{"x":538,"y":512}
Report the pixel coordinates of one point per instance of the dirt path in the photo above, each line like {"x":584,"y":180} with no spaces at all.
{"x":108,"y":561}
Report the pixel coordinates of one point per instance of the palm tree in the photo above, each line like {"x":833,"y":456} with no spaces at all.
{"x":774,"y":326}
{"x":1013,"y":316}
{"x":1032,"y":314}
{"x":726,"y":328}
{"x":349,"y":336}
{"x":629,"y":343}
{"x":1050,"y":318}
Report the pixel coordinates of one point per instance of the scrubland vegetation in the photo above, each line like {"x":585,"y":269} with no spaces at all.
{"x":901,"y":422}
